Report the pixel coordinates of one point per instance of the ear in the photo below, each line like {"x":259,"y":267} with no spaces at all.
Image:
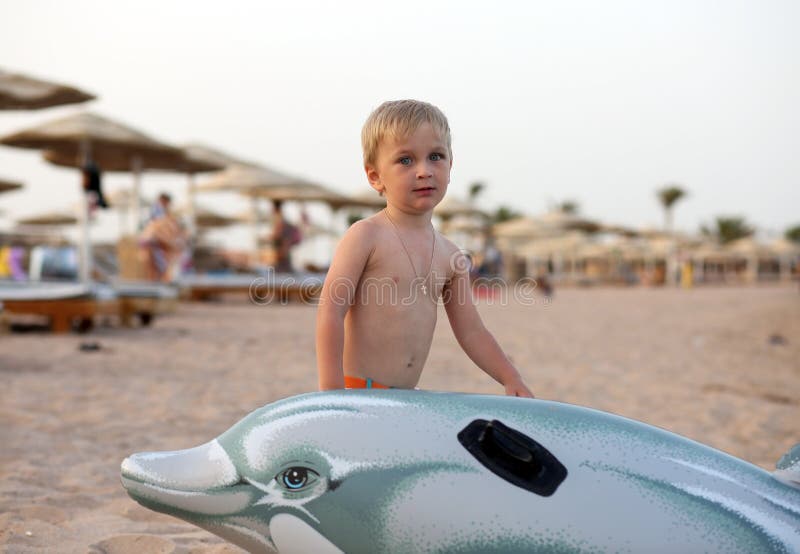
{"x":374,"y":178}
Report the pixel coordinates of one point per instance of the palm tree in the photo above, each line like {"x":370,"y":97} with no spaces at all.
{"x":729,"y":229}
{"x":504,"y":213}
{"x":568,"y":207}
{"x":668,"y":196}
{"x":475,"y":190}
{"x":793,"y":233}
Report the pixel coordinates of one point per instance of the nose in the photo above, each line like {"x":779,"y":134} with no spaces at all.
{"x":424,"y":170}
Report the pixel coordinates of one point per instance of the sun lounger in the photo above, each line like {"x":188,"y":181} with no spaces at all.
{"x":65,"y":304}
{"x":144,"y":300}
{"x":262,"y":288}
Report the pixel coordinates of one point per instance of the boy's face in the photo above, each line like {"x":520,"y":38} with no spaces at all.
{"x":412,"y":172}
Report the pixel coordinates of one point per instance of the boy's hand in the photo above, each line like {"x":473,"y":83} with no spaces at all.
{"x":517,"y":388}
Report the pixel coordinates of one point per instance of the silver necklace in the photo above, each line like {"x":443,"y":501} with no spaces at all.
{"x":414,"y":269}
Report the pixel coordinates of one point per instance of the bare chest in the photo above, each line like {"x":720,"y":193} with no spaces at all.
{"x":405,"y":276}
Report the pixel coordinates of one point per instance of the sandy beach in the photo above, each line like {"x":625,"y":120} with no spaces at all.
{"x":718,"y":365}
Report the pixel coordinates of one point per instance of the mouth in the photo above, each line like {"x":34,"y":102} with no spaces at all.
{"x":425,"y":190}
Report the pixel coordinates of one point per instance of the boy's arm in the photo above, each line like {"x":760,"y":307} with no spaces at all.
{"x":474,"y":338}
{"x":338,"y":294}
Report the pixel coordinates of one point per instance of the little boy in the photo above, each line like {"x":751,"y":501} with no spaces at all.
{"x":378,"y":307}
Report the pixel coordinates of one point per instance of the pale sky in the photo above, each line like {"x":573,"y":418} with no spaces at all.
{"x":600,"y":102}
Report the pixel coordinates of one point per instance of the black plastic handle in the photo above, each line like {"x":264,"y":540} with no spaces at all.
{"x":513,"y":456}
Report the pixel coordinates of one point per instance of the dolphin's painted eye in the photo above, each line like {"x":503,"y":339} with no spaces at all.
{"x":295,"y":478}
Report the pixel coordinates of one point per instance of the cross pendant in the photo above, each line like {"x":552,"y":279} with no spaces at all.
{"x":424,"y":289}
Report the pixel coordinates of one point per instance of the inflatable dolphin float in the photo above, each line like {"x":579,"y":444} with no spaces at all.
{"x":409,"y":471}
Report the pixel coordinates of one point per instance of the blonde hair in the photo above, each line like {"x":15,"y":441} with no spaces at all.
{"x":400,"y":118}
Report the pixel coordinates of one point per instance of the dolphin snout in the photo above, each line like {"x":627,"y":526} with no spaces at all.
{"x":199,"y":481}
{"x":201,"y":468}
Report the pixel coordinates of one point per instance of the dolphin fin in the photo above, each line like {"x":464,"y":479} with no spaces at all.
{"x":788,"y":467}
{"x":292,"y":535}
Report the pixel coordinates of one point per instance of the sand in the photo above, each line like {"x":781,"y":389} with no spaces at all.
{"x":719,"y":365}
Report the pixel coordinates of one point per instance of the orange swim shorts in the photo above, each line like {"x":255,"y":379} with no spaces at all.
{"x":351,"y":382}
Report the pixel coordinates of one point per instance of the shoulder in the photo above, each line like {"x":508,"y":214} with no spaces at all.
{"x":361,"y":237}
{"x":448,"y":247}
{"x":458,"y":261}
{"x":363,"y":229}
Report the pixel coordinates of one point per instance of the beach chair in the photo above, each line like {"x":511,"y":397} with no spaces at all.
{"x":262,"y":288}
{"x":66,"y":305}
{"x":144,"y":300}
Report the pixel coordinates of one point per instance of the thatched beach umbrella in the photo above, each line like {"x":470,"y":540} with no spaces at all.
{"x":50,"y":219}
{"x":262,"y":182}
{"x":366,"y":199}
{"x":206,"y":218}
{"x":786,"y":247}
{"x":192,"y":159}
{"x":562,"y":220}
{"x":555,"y":250}
{"x":109,"y":143}
{"x":21,"y":92}
{"x":519,"y":228}
{"x":114,"y":146}
{"x":33,"y":236}
{"x":452,"y":206}
{"x":8,"y":186}
{"x":214,"y":159}
{"x":459,"y":224}
{"x":788,"y":252}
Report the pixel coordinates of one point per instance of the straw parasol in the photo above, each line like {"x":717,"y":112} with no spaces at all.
{"x":784,"y":247}
{"x":206,"y":218}
{"x":566,"y":245}
{"x":452,"y":205}
{"x":211,"y":156}
{"x":111,"y":144}
{"x":108,"y":142}
{"x":709,"y":251}
{"x":519,"y":228}
{"x":622,"y":230}
{"x":116,"y":160}
{"x":460,"y":224}
{"x":365,"y":199}
{"x":257,"y":181}
{"x":193,"y":158}
{"x":8,"y":186}
{"x":594,"y":250}
{"x":749,"y":247}
{"x":263,"y":182}
{"x":53,"y":218}
{"x":559,"y":219}
{"x":21,"y":92}
{"x":33,"y":236}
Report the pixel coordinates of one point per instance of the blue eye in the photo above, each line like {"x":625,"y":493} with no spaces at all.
{"x":405,"y":160}
{"x":435,"y":157}
{"x":295,"y":478}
